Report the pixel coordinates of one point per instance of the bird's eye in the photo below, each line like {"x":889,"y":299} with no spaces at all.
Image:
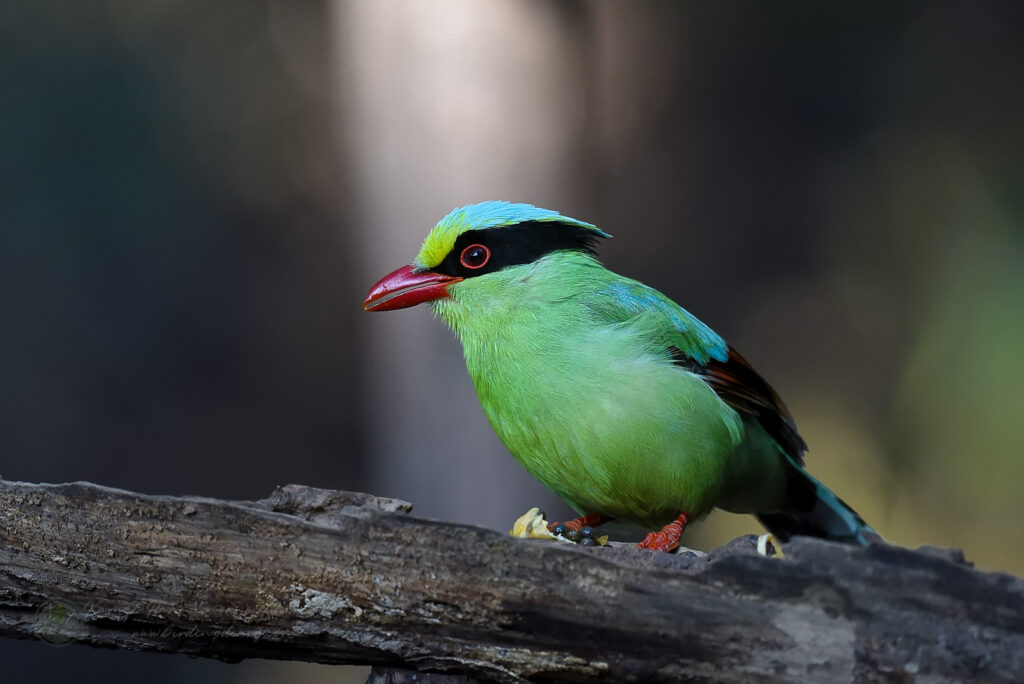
{"x":475,"y":256}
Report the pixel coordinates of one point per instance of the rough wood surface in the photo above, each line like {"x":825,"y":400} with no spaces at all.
{"x":338,"y":577}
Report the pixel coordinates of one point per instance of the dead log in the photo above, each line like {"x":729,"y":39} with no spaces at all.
{"x":341,"y":577}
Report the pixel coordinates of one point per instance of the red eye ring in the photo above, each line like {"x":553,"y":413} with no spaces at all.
{"x":475,"y":256}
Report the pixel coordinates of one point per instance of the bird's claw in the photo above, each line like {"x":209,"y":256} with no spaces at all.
{"x":667,"y":539}
{"x":532,"y":525}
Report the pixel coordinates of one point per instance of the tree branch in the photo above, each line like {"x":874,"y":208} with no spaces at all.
{"x":340,"y":577}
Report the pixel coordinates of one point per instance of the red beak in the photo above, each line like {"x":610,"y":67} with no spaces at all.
{"x":405,"y":287}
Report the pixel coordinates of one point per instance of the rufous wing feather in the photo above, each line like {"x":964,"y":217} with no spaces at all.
{"x":740,"y":386}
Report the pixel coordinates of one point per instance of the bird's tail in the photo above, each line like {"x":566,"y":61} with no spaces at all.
{"x":814,"y":510}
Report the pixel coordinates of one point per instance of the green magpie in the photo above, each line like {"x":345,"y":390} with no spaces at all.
{"x":613,"y":396}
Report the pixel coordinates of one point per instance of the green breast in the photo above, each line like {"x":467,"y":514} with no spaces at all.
{"x":585,"y":396}
{"x":602,"y":422}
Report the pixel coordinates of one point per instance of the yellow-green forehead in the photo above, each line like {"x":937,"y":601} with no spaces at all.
{"x":477,"y":217}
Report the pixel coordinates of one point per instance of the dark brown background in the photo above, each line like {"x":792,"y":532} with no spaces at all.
{"x":194,"y":198}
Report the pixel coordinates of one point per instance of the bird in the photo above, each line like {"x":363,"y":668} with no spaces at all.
{"x":617,"y":399}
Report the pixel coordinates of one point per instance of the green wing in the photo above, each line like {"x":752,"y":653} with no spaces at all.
{"x":684,"y":338}
{"x":669,"y":327}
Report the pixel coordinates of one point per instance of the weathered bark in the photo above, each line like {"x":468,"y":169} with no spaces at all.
{"x":338,"y":577}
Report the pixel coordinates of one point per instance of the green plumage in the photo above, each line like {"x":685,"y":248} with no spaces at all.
{"x":613,"y":396}
{"x":584,"y":393}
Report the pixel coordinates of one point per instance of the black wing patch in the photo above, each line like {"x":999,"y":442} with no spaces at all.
{"x":739,"y":386}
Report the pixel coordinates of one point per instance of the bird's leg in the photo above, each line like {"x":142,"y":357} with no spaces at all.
{"x":574,"y":530}
{"x":588,"y":520}
{"x":668,"y":538}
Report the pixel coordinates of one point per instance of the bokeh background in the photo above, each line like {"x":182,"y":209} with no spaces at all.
{"x":195,"y":197}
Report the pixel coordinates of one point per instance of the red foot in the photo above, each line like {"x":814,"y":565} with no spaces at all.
{"x":588,"y":520}
{"x":668,"y":538}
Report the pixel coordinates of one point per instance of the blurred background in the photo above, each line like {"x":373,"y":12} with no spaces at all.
{"x":195,"y":197}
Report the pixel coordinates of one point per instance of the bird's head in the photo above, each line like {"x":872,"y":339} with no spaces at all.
{"x":475,"y":242}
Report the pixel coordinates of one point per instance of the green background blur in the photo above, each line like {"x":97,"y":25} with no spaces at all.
{"x":195,"y":197}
